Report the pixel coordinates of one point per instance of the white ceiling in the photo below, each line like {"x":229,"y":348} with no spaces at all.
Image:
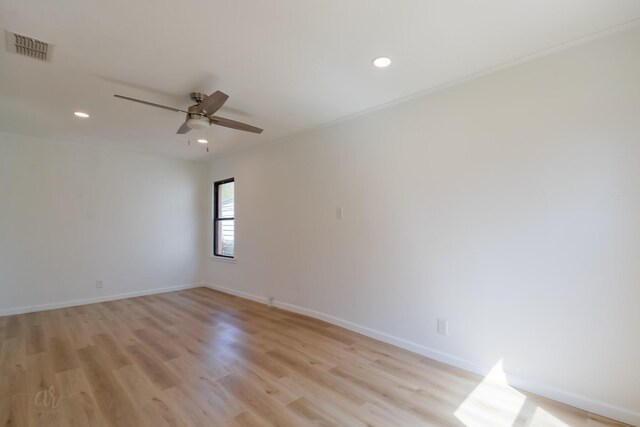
{"x":288,"y":65}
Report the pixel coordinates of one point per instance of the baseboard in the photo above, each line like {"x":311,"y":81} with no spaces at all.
{"x":245,"y":295}
{"x":102,"y":298}
{"x":575,"y":400}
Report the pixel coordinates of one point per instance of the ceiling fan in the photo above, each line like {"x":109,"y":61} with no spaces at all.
{"x":200,"y":115}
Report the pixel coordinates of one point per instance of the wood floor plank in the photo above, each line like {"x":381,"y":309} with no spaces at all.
{"x":112,"y":350}
{"x":118,"y":327}
{"x":200,"y":357}
{"x":35,"y":340}
{"x":156,"y":408}
{"x":113,"y":401}
{"x":346,"y":411}
{"x":203,"y":382}
{"x":78,"y":405}
{"x":76,"y":328}
{"x":62,"y":354}
{"x":161,"y":317}
{"x":16,"y":399}
{"x":152,"y":366}
{"x":154,"y":339}
{"x":197,"y":410}
{"x":12,"y":356}
{"x":11,"y":327}
{"x":323,"y":379}
{"x":260,"y":403}
{"x":45,"y":391}
{"x":388,"y":397}
{"x":167,"y":330}
{"x":313,"y":414}
{"x":247,"y":420}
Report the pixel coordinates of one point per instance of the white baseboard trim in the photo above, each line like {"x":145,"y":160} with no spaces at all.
{"x":581,"y":402}
{"x":91,"y":300}
{"x":241,"y":294}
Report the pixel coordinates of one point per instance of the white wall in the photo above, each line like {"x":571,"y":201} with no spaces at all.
{"x":71,"y":215}
{"x":508,"y":205}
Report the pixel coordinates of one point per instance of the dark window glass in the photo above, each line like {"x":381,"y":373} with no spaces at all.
{"x":224,"y":218}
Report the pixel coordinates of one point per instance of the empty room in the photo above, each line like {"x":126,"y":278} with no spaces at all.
{"x":360,"y":213}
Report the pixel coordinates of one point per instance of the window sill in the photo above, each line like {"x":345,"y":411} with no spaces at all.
{"x":224,"y":259}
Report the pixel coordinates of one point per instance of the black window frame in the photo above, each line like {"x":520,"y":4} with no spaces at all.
{"x":216,"y":218}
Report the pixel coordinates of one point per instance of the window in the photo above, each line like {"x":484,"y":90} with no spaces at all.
{"x":223,"y":218}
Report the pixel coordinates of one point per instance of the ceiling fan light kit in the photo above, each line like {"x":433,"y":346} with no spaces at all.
{"x":200,"y":115}
{"x":197,"y":114}
{"x":196,"y":121}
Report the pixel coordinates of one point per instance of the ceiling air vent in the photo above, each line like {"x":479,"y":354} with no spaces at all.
{"x":28,"y":46}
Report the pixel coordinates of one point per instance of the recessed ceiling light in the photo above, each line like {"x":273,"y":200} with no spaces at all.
{"x":382,"y":62}
{"x":202,"y":141}
{"x":81,"y":114}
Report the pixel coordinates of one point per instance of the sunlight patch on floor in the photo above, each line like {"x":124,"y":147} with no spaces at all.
{"x":495,"y":403}
{"x":492,"y":402}
{"x":543,"y":418}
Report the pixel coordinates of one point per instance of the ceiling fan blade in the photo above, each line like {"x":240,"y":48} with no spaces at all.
{"x":212,"y":103}
{"x":228,"y":123}
{"x":183,"y":129}
{"x":151,"y":104}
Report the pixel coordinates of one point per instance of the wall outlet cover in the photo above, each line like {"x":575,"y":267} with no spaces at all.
{"x":443,"y":326}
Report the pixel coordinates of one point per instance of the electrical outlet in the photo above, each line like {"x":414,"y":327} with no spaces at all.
{"x":443,"y":326}
{"x":99,"y":284}
{"x":339,"y":213}
{"x":271,"y":301}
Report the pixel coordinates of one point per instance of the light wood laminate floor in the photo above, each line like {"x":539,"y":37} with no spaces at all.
{"x":203,"y":358}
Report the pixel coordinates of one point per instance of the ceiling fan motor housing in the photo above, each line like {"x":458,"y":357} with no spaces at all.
{"x":198,"y":97}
